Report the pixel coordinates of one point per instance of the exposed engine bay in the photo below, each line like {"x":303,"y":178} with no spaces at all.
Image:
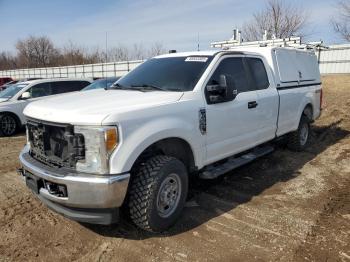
{"x":55,"y":144}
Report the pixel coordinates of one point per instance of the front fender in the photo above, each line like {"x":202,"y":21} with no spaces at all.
{"x":135,"y":139}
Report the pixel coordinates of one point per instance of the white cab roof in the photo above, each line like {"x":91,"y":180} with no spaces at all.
{"x":194,"y":53}
{"x":45,"y":80}
{"x":248,"y":50}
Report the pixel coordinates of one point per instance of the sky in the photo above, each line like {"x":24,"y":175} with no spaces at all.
{"x":176,"y":24}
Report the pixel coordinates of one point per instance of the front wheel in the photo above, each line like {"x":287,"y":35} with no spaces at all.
{"x":8,"y":125}
{"x":158,"y":193}
{"x":299,"y":139}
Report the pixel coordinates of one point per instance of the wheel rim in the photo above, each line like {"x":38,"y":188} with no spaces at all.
{"x":169,"y":195}
{"x":8,"y":125}
{"x":304,"y":134}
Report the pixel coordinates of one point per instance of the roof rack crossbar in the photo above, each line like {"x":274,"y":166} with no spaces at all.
{"x":292,"y":42}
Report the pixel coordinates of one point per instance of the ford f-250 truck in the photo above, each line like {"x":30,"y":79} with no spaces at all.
{"x":136,"y":144}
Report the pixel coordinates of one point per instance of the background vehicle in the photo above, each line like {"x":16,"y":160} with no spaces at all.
{"x":4,"y":86}
{"x":101,"y":83}
{"x":4,"y":80}
{"x":16,"y":97}
{"x":196,"y":114}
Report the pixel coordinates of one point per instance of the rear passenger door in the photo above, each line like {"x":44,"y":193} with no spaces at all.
{"x":231,"y":126}
{"x":267,"y":98}
{"x":61,"y":87}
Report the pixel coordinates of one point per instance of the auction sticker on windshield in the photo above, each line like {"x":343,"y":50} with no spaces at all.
{"x":201,"y":59}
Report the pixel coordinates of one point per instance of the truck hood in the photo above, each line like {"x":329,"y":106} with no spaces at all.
{"x":92,"y":107}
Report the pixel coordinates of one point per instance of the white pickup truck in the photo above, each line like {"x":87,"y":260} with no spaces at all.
{"x":136,"y":144}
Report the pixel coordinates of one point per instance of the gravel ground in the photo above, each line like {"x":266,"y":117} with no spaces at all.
{"x":286,"y":206}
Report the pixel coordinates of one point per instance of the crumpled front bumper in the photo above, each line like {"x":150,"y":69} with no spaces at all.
{"x":90,"y":198}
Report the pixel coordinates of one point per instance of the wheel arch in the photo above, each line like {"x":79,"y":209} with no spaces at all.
{"x":308,"y":111}
{"x":173,"y":146}
{"x":18,"y":120}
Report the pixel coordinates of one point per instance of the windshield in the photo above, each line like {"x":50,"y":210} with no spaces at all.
{"x":101,"y":83}
{"x":167,"y":74}
{"x":12,"y":90}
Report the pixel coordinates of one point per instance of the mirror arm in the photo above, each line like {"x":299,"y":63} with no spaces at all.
{"x":216,"y":98}
{"x":215,"y":88}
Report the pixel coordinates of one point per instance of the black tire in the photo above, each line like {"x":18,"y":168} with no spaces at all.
{"x":144,"y":195}
{"x":8,"y":125}
{"x":297,"y":140}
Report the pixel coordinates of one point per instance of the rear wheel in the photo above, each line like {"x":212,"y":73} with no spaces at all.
{"x":299,"y":139}
{"x":158,"y":193}
{"x":8,"y":125}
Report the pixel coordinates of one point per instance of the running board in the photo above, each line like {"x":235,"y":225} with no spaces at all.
{"x":213,"y":171}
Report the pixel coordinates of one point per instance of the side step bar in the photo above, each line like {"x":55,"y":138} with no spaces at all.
{"x":213,"y":171}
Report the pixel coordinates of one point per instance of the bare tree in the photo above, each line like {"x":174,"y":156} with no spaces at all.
{"x":278,"y":19}
{"x":341,"y":24}
{"x":36,"y":52}
{"x":72,"y":54}
{"x":7,"y":61}
{"x":156,"y":49}
{"x":119,"y":53}
{"x":138,"y":52}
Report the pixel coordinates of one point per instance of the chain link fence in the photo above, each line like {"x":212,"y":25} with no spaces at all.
{"x":79,"y":71}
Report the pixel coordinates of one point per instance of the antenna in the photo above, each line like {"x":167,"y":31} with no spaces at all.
{"x":198,"y":42}
{"x":105,"y":67}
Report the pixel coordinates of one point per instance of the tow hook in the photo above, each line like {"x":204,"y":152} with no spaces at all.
{"x":20,"y":171}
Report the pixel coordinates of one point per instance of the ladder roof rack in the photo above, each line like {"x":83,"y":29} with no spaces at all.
{"x":293,"y":42}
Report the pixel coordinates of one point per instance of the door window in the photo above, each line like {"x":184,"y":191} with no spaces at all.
{"x":39,"y":90}
{"x":236,"y":76}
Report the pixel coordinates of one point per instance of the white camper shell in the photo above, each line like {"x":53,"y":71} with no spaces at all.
{"x":289,"y":65}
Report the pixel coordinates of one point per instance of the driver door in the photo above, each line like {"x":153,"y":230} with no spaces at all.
{"x":231,"y":126}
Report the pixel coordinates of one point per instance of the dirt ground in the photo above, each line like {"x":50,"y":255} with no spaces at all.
{"x":286,"y":206}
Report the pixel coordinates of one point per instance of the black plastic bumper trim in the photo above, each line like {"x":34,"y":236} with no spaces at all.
{"x":105,"y":216}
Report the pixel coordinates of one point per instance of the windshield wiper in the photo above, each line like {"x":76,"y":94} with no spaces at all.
{"x":120,"y":87}
{"x":149,"y":87}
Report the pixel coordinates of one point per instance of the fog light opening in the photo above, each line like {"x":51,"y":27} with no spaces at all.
{"x":56,"y":189}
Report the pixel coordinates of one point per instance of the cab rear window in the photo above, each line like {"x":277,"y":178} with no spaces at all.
{"x":258,"y":71}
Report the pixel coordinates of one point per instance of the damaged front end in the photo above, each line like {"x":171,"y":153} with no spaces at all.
{"x":67,"y":168}
{"x":55,"y":144}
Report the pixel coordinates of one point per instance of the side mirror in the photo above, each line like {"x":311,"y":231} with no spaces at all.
{"x":223,"y":81}
{"x":222,"y":92}
{"x":25,"y":96}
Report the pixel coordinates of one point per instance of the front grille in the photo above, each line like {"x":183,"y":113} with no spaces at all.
{"x":55,"y":144}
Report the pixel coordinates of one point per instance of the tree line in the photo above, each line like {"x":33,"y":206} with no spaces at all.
{"x":278,"y":18}
{"x":33,"y":52}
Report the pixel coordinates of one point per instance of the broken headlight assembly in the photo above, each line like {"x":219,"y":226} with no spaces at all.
{"x":100,"y":142}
